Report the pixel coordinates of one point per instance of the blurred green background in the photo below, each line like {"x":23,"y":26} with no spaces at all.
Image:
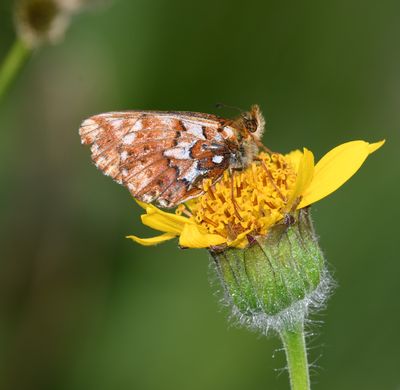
{"x":81,"y":307}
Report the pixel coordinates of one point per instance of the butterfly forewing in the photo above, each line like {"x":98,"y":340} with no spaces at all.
{"x":160,"y":157}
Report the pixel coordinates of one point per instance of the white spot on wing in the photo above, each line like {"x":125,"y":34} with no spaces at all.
{"x":146,"y":198}
{"x":163,"y":202}
{"x":182,"y":152}
{"x":218,"y":137}
{"x":89,"y":131}
{"x":100,"y":162}
{"x":214,"y":146}
{"x":95,"y":149}
{"x":166,"y":121}
{"x":137,"y":126}
{"x":228,"y":132}
{"x":124,"y":155}
{"x":195,"y":130}
{"x":178,"y":153}
{"x":129,"y":138}
{"x":108,"y":114}
{"x":116,"y":123}
{"x":191,"y":173}
{"x":88,"y":125}
{"x":217,"y":159}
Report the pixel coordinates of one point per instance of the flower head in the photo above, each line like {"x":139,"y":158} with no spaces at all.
{"x":247,"y":204}
{"x":43,"y":21}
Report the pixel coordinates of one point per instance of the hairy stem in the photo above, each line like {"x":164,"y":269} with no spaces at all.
{"x":296,"y":355}
{"x":12,"y":63}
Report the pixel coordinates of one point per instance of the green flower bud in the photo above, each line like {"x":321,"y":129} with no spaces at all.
{"x":275,"y":280}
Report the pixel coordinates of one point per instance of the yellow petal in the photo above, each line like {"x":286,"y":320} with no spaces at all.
{"x":164,"y":222}
{"x":294,"y":157}
{"x":375,"y":146}
{"x":304,"y":177}
{"x":241,"y":240}
{"x":336,"y":167}
{"x":241,"y":244}
{"x":153,"y":240}
{"x":142,"y":204}
{"x":192,"y":237}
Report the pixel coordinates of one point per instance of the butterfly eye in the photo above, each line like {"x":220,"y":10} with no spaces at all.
{"x":251,"y":125}
{"x":254,"y":127}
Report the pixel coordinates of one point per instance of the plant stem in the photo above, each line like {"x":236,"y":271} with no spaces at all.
{"x":12,"y":63}
{"x":296,"y":355}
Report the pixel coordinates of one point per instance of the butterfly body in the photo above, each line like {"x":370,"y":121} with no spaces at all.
{"x":163,"y":157}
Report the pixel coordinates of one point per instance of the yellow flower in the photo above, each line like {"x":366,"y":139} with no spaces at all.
{"x":248,"y":203}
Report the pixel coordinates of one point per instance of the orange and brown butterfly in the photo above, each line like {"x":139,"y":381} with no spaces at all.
{"x":163,"y":157}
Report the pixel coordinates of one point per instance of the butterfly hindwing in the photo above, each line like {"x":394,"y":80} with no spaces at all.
{"x":160,"y":157}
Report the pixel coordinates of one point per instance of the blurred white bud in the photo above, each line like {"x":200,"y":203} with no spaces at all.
{"x":45,"y":21}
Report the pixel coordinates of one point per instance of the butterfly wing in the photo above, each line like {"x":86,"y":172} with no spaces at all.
{"x":160,"y":157}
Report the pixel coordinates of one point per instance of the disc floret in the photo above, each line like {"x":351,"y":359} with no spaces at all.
{"x":247,"y":202}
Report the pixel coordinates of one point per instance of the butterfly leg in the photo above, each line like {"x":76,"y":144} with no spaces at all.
{"x":232,"y":233}
{"x":288,"y":215}
{"x":262,"y":146}
{"x":271,"y":179}
{"x":235,"y":205}
{"x":183,"y":209}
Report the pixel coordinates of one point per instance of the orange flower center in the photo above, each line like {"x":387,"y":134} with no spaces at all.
{"x":245,"y":202}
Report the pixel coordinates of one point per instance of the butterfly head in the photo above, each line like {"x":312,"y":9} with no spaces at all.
{"x":252,"y":123}
{"x":250,"y":126}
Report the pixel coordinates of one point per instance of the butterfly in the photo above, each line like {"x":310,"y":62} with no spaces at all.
{"x":162,"y":157}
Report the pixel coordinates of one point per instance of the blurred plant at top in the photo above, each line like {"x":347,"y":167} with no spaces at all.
{"x":45,"y":21}
{"x":37,"y":22}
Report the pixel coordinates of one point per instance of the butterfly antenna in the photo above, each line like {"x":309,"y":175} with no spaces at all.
{"x":223,"y":105}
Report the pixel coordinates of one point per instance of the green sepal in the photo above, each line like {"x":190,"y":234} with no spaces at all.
{"x":274,"y":272}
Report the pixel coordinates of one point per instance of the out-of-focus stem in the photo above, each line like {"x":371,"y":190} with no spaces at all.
{"x":12,"y":63}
